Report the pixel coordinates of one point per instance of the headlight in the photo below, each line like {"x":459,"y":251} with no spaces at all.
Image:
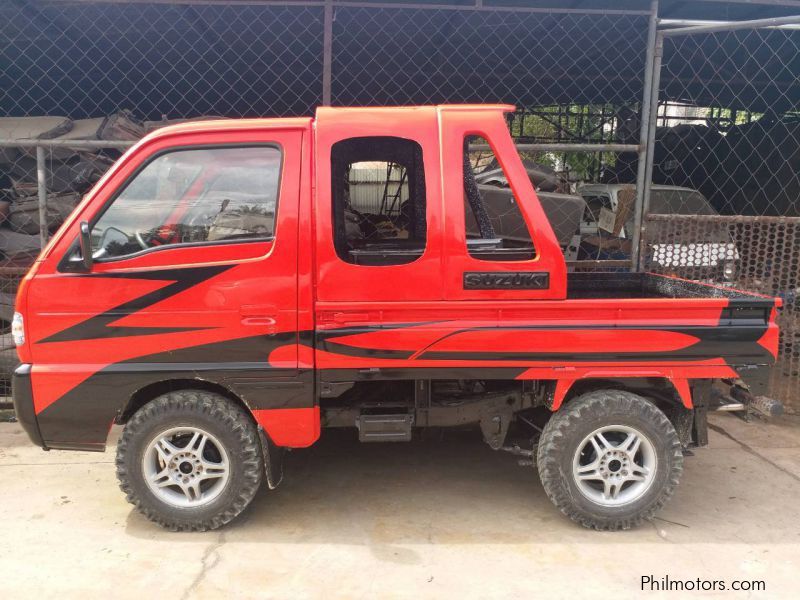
{"x":18,"y":329}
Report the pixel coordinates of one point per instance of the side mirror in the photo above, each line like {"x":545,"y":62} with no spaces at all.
{"x":86,"y":246}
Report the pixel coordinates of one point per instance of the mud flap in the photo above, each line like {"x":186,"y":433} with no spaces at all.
{"x":273,"y":459}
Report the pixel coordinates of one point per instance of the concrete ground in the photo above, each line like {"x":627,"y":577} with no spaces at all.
{"x":435,"y":518}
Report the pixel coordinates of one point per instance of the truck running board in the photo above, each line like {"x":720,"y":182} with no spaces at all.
{"x":385,"y":428}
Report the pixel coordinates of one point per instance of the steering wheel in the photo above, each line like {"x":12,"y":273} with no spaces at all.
{"x":105,"y":241}
{"x":140,"y":240}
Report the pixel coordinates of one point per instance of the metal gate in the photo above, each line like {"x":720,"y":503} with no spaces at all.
{"x":722,"y":194}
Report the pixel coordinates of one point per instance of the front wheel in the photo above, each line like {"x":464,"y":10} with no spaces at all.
{"x":190,"y":460}
{"x":609,"y":459}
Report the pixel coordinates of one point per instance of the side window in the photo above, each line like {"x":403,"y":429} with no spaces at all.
{"x":495,"y":227}
{"x":189,"y":196}
{"x":378,"y":192}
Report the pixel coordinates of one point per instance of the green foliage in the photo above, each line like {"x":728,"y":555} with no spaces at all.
{"x":572,"y":123}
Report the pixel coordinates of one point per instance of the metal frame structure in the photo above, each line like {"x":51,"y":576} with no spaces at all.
{"x":650,"y":110}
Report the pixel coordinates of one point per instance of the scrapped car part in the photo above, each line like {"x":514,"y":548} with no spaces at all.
{"x":23,"y":215}
{"x":543,"y":177}
{"x":564,"y":211}
{"x":121,"y":126}
{"x":82,"y":130}
{"x":19,"y":249}
{"x":30,"y":128}
{"x":712,"y":256}
{"x":6,"y":190}
{"x":8,"y":351}
{"x":77,"y":174}
{"x":6,"y":311}
{"x":248,"y":283}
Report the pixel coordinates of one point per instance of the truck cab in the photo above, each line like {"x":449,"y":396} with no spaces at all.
{"x":229,"y":289}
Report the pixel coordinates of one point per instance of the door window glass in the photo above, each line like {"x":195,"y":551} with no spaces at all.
{"x":191,"y":196}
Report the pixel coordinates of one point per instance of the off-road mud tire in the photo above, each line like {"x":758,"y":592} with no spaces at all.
{"x":229,"y":423}
{"x":568,"y":427}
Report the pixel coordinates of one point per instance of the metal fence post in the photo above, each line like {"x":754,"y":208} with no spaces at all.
{"x":327,"y":52}
{"x":644,"y":125}
{"x":41,"y":182}
{"x":650,"y":146}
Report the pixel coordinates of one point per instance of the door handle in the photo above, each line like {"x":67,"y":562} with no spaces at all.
{"x":263,"y":320}
{"x":265,"y":315}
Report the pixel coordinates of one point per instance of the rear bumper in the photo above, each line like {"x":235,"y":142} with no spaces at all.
{"x":22,"y":394}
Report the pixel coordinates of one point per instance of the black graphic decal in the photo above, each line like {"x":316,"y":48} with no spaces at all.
{"x":712,"y":341}
{"x":100,"y":326}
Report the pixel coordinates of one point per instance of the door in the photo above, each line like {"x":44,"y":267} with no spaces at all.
{"x":194,"y":240}
{"x":378,"y":225}
{"x":378,"y":209}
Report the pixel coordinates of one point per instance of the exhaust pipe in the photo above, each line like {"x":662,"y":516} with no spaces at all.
{"x":767,"y":407}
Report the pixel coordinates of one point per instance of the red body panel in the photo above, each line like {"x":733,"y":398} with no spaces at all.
{"x":457,"y":124}
{"x":290,"y":427}
{"x":232,"y":303}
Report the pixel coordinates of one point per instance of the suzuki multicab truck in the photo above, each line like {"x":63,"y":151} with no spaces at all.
{"x":229,"y":289}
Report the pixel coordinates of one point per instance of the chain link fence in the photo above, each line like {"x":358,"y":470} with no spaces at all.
{"x":725,"y":201}
{"x":391,"y":56}
{"x":88,"y":59}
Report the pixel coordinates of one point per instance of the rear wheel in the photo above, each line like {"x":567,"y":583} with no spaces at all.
{"x":609,"y":459}
{"x":190,"y":460}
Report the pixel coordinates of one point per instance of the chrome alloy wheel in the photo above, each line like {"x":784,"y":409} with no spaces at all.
{"x":614,"y":465}
{"x":186,"y":467}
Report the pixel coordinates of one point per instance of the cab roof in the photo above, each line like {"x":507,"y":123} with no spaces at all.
{"x":322,"y":112}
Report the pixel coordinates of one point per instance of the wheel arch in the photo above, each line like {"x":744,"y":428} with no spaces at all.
{"x":205,"y":412}
{"x":662,"y":389}
{"x":151,"y":391}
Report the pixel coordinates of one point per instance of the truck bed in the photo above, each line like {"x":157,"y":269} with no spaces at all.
{"x":583,"y":286}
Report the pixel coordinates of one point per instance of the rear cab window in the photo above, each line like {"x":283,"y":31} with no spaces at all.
{"x":379,"y":200}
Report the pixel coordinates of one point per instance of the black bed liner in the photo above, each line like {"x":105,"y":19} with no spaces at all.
{"x":651,"y":285}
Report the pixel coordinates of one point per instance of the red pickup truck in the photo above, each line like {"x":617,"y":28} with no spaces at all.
{"x":230,"y":288}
